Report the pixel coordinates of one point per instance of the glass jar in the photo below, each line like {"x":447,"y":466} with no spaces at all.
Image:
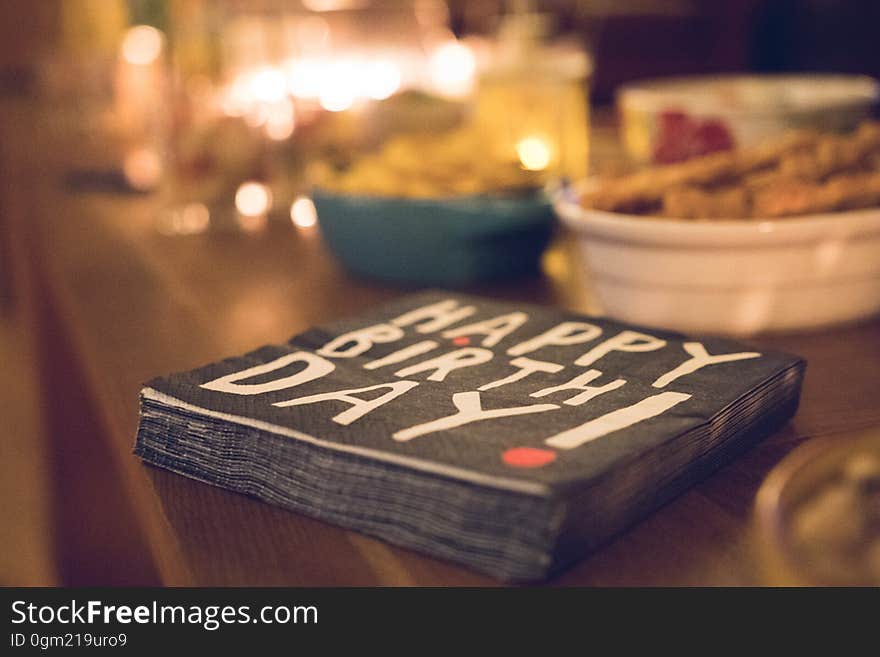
{"x":533,"y":98}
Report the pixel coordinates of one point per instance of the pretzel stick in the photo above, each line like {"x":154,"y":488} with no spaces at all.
{"x":646,"y":188}
{"x":846,"y":192}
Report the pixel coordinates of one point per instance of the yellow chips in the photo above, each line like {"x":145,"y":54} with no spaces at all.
{"x":457,"y":163}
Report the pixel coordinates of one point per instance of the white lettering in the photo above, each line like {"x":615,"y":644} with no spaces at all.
{"x":580,"y":383}
{"x":526,"y":367}
{"x":439,"y":316}
{"x":443,"y":365}
{"x":616,"y":420}
{"x":361,"y":340}
{"x":494,"y":329}
{"x":629,"y":341}
{"x":469,"y":410}
{"x":567,"y":333}
{"x":359,"y":407}
{"x":401,"y":355}
{"x":316,"y":367}
{"x":699,"y":358}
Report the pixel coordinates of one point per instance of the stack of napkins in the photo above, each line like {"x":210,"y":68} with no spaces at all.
{"x":507,"y":437}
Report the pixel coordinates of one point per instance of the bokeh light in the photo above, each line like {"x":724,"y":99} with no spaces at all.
{"x":340,"y":87}
{"x":268,"y":85}
{"x":188,"y":219}
{"x":534,"y":153}
{"x":193,"y":218}
{"x":142,"y":168}
{"x":303,"y":213}
{"x":142,"y":45}
{"x":253,"y":199}
{"x":304,"y":78}
{"x":452,"y":67}
{"x":280,"y":120}
{"x":381,"y":80}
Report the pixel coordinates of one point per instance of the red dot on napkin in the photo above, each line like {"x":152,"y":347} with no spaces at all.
{"x":528,"y":457}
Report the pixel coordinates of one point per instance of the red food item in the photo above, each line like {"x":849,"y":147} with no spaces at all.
{"x":712,"y":135}
{"x":681,"y":137}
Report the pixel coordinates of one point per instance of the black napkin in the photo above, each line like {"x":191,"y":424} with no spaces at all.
{"x":508,"y":437}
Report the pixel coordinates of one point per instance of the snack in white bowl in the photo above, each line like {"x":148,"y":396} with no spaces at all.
{"x":728,"y":269}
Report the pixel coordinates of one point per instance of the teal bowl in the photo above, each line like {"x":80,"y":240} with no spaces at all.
{"x":451,"y":241}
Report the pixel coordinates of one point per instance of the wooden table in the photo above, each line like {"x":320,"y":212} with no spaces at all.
{"x":114,"y":303}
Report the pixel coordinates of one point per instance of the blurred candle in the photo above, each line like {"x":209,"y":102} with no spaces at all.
{"x":534,"y":153}
{"x":532,"y":98}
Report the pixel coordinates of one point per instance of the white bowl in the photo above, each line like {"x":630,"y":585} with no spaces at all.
{"x":735,"y":277}
{"x":739,"y":109}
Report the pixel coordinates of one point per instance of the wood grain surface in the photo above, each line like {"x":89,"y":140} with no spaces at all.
{"x":119,"y":303}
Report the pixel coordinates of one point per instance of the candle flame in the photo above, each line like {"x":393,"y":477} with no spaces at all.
{"x":534,"y":153}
